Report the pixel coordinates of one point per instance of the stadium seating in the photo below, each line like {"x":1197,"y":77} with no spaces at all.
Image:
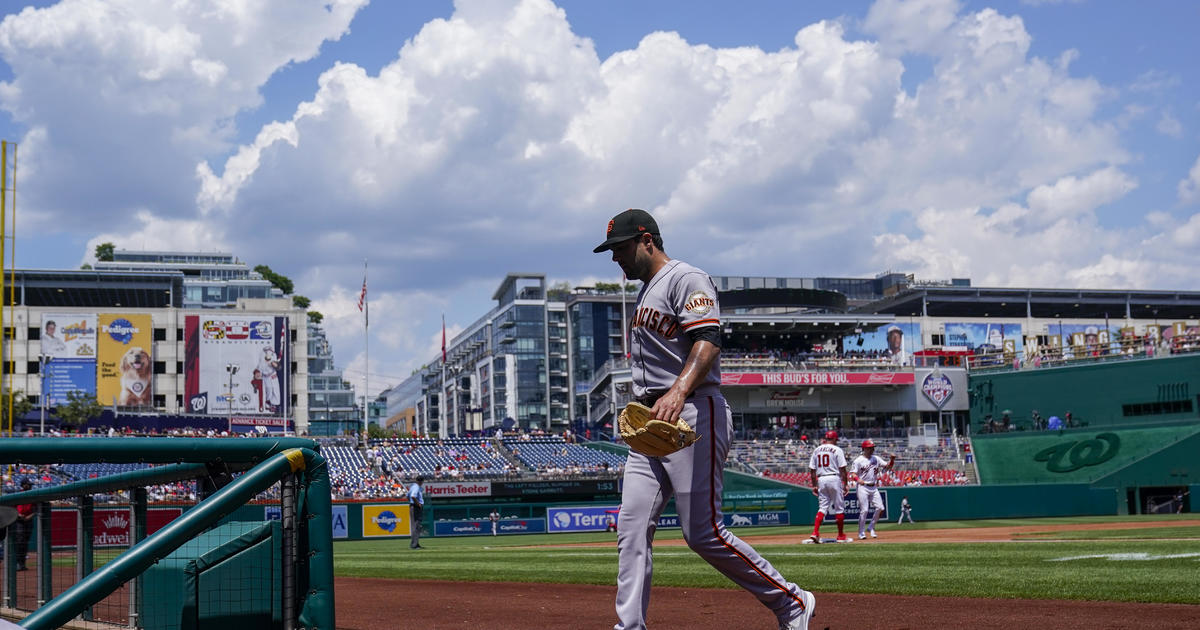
{"x":787,"y":460}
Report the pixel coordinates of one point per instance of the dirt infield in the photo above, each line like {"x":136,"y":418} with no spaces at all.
{"x":371,"y":604}
{"x":367,"y":604}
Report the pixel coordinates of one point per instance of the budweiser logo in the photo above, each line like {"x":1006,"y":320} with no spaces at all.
{"x":116,"y":521}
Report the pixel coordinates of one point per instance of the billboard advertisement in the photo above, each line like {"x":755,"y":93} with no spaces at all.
{"x":896,"y":341}
{"x":592,"y":518}
{"x":985,"y":337}
{"x":757,"y":519}
{"x":384,"y":520}
{"x":69,"y":344}
{"x":816,"y":378}
{"x":124,"y":363}
{"x":853,"y":508}
{"x":236,"y":365}
{"x":111,"y":527}
{"x":483,"y":527}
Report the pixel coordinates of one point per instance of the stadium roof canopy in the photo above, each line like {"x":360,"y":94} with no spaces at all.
{"x":949,"y":301}
{"x":96,"y":289}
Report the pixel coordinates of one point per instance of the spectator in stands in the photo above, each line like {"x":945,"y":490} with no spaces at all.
{"x":1038,"y":424}
{"x":23,"y":527}
{"x":1068,"y":420}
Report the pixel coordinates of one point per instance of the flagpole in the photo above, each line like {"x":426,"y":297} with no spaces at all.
{"x":366,"y":355}
{"x":443,"y":407}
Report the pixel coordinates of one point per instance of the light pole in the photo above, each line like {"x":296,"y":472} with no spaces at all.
{"x":231,"y":368}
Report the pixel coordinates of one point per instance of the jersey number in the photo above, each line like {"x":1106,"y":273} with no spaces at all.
{"x":823,"y":459}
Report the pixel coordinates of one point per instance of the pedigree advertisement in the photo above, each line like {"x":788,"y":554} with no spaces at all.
{"x":391,"y":519}
{"x":124,"y":365}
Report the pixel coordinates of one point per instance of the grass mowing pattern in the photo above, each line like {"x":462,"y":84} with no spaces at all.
{"x":1031,"y":569}
{"x":1140,"y":533}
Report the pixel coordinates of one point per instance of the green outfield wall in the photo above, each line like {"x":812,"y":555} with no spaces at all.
{"x":1100,"y":394}
{"x":1164,"y":454}
{"x":941,"y":503}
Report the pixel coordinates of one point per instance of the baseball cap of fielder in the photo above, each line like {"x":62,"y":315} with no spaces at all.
{"x":627,"y":225}
{"x":868,"y":444}
{"x":893,"y":328}
{"x":831,"y":435}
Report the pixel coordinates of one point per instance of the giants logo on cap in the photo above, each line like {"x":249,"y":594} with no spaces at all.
{"x":610,"y":227}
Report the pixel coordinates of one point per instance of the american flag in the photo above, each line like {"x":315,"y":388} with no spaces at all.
{"x":362,"y":296}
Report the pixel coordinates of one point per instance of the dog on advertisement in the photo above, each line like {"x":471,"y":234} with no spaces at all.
{"x":135,"y":378}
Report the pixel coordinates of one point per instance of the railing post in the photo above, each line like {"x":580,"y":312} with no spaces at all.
{"x":10,"y":572}
{"x":84,"y":558}
{"x":137,"y":533}
{"x":45,"y":555}
{"x":287,"y":509}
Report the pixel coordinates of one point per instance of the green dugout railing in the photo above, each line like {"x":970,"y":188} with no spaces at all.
{"x":272,"y":460}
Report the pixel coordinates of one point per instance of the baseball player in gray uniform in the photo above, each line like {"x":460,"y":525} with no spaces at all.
{"x":675,"y":344}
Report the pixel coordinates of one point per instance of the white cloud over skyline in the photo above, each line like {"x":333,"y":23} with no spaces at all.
{"x":499,"y":140}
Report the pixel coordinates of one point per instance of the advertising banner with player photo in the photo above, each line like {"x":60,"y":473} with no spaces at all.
{"x":124,"y":363}
{"x":987,"y":337}
{"x":894,"y":341}
{"x":236,"y":365}
{"x":69,"y":344}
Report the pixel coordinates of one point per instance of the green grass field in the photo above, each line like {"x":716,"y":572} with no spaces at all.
{"x":1129,"y":564}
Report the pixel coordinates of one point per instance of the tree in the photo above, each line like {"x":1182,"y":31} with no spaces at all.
{"x":608,"y":287}
{"x":21,"y":405}
{"x":104,"y":252}
{"x":282,"y":282}
{"x":558,"y":292}
{"x":630,"y":287}
{"x":85,"y":266}
{"x":299,"y":301}
{"x":315,"y":317}
{"x":80,"y":408}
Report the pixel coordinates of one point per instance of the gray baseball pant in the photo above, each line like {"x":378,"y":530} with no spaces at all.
{"x":693,"y":476}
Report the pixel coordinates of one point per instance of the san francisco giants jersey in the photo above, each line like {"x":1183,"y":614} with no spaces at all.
{"x":827,"y":459}
{"x":678,"y":299}
{"x":868,"y":469}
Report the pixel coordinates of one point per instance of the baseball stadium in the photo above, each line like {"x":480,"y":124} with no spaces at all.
{"x":1045,"y":442}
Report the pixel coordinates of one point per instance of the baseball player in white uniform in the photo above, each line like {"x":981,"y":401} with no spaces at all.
{"x":494,"y":517}
{"x":868,"y":468}
{"x":828,"y":468}
{"x":675,"y":345}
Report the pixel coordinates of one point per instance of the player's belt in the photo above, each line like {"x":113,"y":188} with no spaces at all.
{"x":867,"y":484}
{"x":829,"y":475}
{"x":650,"y":398}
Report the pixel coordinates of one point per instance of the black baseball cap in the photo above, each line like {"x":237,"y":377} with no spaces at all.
{"x":627,"y":225}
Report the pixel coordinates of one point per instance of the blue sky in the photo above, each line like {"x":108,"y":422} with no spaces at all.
{"x":1032,"y":143}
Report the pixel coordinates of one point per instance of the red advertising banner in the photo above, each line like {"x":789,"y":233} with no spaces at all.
{"x":111,"y":526}
{"x":818,"y":378}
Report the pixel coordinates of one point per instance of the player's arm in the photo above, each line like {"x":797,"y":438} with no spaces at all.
{"x":842,"y":473}
{"x":699,"y":362}
{"x":812,"y":475}
{"x":891,"y":462}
